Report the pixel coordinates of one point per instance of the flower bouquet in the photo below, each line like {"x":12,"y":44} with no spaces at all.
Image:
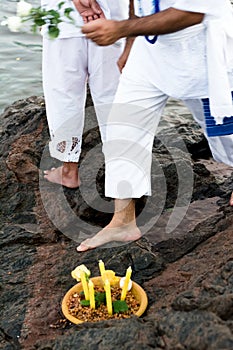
{"x":104,"y":297}
{"x":38,"y":17}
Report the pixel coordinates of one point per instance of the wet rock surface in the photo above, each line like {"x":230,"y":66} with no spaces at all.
{"x":185,"y":266}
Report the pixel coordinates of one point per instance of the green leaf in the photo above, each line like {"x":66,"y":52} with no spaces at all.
{"x":81,"y":293}
{"x":87,"y":277}
{"x":100,"y":298}
{"x":67,"y":13}
{"x":34,"y":28}
{"x":120,"y":306}
{"x":53,"y":32}
{"x":39,"y":22}
{"x":85,"y":302}
{"x":53,"y":13}
{"x":61,"y":4}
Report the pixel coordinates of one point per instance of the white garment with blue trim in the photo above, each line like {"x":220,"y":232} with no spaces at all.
{"x":219,"y":28}
{"x":186,"y":76}
{"x":176,"y":65}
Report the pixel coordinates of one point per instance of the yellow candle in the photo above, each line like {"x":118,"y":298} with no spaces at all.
{"x":125,"y":287}
{"x":101,"y":267}
{"x":91,"y":294}
{"x":84,"y":284}
{"x":107,"y":288}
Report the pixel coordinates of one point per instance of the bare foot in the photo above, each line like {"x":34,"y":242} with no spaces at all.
{"x":124,"y":233}
{"x":231,"y":200}
{"x":68,"y":178}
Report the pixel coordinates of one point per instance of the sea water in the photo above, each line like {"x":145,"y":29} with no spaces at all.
{"x":20,"y":60}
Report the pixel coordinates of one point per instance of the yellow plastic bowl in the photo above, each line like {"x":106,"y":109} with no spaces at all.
{"x":137,"y":291}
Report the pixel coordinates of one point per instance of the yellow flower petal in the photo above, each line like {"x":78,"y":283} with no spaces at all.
{"x":76,"y":273}
{"x":110,"y":276}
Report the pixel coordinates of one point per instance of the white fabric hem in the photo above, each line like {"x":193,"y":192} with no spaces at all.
{"x":63,"y":157}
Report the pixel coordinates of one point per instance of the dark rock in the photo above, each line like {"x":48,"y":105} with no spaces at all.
{"x":183,"y":261}
{"x":196,"y":330}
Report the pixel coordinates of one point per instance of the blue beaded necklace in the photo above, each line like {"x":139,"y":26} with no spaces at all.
{"x":155,"y":4}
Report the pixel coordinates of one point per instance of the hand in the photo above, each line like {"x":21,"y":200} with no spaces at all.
{"x":125,"y":54}
{"x":122,"y":61}
{"x":89,"y":10}
{"x":103,"y":32}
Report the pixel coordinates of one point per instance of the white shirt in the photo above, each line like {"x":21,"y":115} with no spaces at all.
{"x":113,"y":9}
{"x":178,"y":61}
{"x":211,"y":8}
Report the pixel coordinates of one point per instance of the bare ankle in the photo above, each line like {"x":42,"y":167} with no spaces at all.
{"x":121,"y":221}
{"x":69,"y":168}
{"x":124,"y":212}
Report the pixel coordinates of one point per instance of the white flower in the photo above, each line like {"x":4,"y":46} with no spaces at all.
{"x":39,"y":18}
{"x":76,"y":273}
{"x":23,"y":8}
{"x":4,"y":23}
{"x":122,"y":281}
{"x":14,"y":23}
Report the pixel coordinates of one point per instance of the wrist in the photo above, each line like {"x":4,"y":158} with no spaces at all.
{"x":123,"y":28}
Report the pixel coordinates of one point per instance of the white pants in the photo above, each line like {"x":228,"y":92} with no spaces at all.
{"x":67,"y":66}
{"x":132,"y":124}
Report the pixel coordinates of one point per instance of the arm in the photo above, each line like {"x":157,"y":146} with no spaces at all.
{"x":105,"y":32}
{"x":129,"y":41}
{"x":88,"y":9}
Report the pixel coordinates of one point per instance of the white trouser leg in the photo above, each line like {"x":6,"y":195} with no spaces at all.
{"x":129,"y":141}
{"x":64,"y":82}
{"x":67,"y":64}
{"x":103,"y":79}
{"x":221,"y":146}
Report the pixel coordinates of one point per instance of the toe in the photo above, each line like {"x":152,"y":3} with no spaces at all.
{"x":46,"y":172}
{"x":83,"y":247}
